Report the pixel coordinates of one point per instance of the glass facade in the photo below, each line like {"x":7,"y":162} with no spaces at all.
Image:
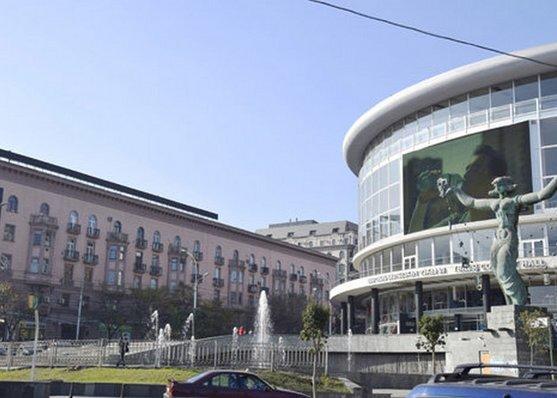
{"x":531,"y":98}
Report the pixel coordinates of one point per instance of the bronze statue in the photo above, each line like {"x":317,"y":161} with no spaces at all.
{"x":504,"y":249}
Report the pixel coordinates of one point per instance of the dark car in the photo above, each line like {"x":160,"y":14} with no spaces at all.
{"x":534,"y":382}
{"x":227,"y":383}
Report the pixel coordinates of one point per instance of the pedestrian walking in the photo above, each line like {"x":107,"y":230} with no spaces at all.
{"x":124,"y":347}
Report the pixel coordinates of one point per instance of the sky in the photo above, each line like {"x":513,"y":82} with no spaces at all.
{"x":236,"y":106}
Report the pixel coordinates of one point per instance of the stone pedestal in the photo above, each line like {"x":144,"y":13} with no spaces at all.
{"x":504,"y":321}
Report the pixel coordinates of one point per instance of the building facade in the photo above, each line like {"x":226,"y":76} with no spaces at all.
{"x":419,"y":253}
{"x":336,"y":238}
{"x":68,"y":235}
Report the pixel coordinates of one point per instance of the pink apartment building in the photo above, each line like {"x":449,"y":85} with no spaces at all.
{"x":62,"y":230}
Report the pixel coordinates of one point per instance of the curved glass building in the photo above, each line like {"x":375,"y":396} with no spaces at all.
{"x":419,"y":253}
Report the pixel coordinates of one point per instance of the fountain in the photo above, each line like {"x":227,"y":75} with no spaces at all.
{"x":154,"y":324}
{"x":263,"y":330}
{"x":234,"y":345}
{"x":158,"y":348}
{"x":187,"y":326}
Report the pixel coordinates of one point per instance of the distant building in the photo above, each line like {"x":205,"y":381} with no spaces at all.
{"x":68,"y":235}
{"x":335,"y":238}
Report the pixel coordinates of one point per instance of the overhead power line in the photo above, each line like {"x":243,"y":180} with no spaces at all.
{"x":431,"y":34}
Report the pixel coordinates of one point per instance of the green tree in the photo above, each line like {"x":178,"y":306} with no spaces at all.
{"x":112,"y":312}
{"x":314,"y":322}
{"x":536,"y":332}
{"x":12,"y":309}
{"x":432,"y":336}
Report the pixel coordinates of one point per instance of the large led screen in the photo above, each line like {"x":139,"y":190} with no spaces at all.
{"x":472,"y":161}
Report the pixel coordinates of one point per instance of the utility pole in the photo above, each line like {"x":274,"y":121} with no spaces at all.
{"x":79,"y":310}
{"x":33,"y":304}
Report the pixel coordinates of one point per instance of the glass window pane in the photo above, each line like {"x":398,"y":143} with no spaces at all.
{"x":549,"y":84}
{"x":551,"y":202}
{"x":424,"y":118}
{"x":424,"y":252}
{"x":442,"y":250}
{"x":459,"y":106}
{"x":461,"y":248}
{"x":394,"y":171}
{"x":479,"y":100}
{"x":394,"y":196}
{"x":526,"y":89}
{"x":549,"y":156}
{"x":409,"y":249}
{"x":440,"y":112}
{"x":482,"y":244}
{"x":394,"y":218}
{"x":501,"y":94}
{"x":397,"y":258}
{"x":531,"y":231}
{"x":552,"y":238}
{"x":548,"y":129}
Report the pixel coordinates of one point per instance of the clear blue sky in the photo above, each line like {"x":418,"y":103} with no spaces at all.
{"x":239,"y":107}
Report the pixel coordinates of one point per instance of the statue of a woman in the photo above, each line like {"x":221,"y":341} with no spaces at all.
{"x":504,"y":249}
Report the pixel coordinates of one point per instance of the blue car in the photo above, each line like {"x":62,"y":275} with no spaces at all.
{"x":534,"y":382}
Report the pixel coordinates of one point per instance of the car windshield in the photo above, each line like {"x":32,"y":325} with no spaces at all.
{"x":196,"y":378}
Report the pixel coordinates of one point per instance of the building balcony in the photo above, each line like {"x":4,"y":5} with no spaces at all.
{"x":174,"y":249}
{"x":119,"y":237}
{"x":265,"y":270}
{"x":66,"y":282}
{"x":252,"y":267}
{"x":155,"y":270}
{"x":253,"y":288}
{"x":218,"y":282}
{"x":198,"y":277}
{"x":198,"y":255}
{"x":74,"y":229}
{"x":279,"y":273}
{"x":315,"y":280}
{"x":219,"y":260}
{"x":42,"y":219}
{"x":293,"y":277}
{"x":71,"y":255}
{"x":236,"y":263}
{"x":140,"y":243}
{"x":158,"y":247}
{"x":303,"y":279}
{"x":139,"y":267}
{"x":93,"y":233}
{"x":91,"y":258}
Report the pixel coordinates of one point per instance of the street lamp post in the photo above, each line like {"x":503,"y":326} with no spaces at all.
{"x":195,"y":288}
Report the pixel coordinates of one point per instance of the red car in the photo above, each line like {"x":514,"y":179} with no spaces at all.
{"x":227,"y":383}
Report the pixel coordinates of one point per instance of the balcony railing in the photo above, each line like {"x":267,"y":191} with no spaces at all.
{"x":198,"y":255}
{"x":140,"y":243}
{"x":93,"y":233}
{"x":279,"y":273}
{"x":218,"y":282}
{"x":264,"y":270}
{"x":219,"y":260}
{"x":139,"y":267}
{"x":155,"y":270}
{"x":303,"y":278}
{"x":91,"y":258}
{"x":293,"y":277}
{"x":74,"y":229}
{"x":42,"y":219}
{"x":71,"y":255}
{"x":253,"y":288}
{"x":174,"y":249}
{"x":252,"y":267}
{"x":158,"y":247}
{"x":236,"y":263}
{"x":114,"y":236}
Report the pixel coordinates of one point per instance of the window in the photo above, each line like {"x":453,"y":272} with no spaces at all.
{"x":90,"y":248}
{"x":501,"y":94}
{"x":34,"y":265}
{"x":251,"y":259}
{"x":140,"y":235}
{"x":111,"y":277}
{"x":236,"y":256}
{"x":290,"y":234}
{"x":335,"y":230}
{"x":196,"y":247}
{"x":549,"y":84}
{"x":88,"y":274}
{"x":263,"y":261}
{"x":292,"y":269}
{"x":65,"y":300}
{"x":5,"y":262}
{"x":37,"y":238}
{"x":157,"y":237}
{"x":154,"y":283}
{"x":174,"y":264}
{"x":44,"y":209}
{"x":113,"y":252}
{"x":73,"y":218}
{"x":70,"y":245}
{"x":172,"y":286}
{"x":9,"y":232}
{"x":218,"y":252}
{"x":117,"y":227}
{"x":312,"y":232}
{"x":301,"y":270}
{"x":137,"y":282}
{"x":12,"y":204}
{"x":278,"y":266}
{"x":177,"y":241}
{"x":92,"y":222}
{"x":155,"y":261}
{"x":526,"y":89}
